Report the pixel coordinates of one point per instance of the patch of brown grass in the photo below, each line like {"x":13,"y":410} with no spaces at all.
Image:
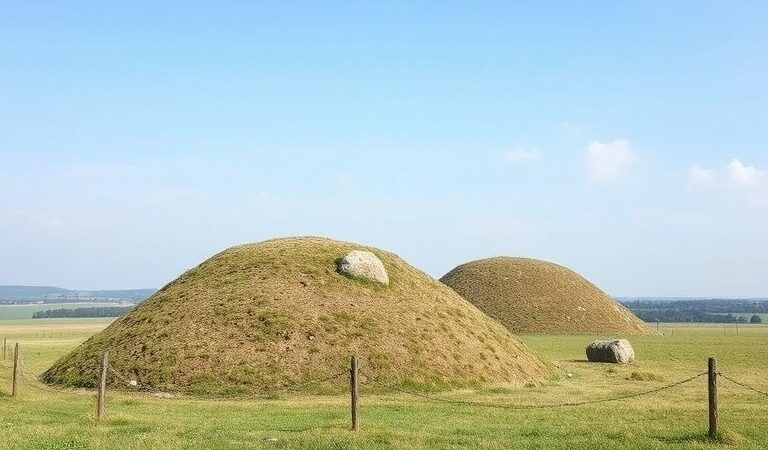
{"x":645,"y":376}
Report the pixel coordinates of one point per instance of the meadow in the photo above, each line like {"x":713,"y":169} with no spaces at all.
{"x":675,"y":418}
{"x":25,"y":311}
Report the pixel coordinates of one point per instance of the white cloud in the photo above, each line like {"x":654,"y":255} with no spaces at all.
{"x":610,"y":160}
{"x":700,"y":177}
{"x":748,"y":182}
{"x":519,"y":155}
{"x":742,"y":176}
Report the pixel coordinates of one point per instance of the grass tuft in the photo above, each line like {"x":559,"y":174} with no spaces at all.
{"x":645,"y":376}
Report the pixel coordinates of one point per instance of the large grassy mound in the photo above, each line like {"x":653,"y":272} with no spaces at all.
{"x":533,"y":296}
{"x":260,"y":316}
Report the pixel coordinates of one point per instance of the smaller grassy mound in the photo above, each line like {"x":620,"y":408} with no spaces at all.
{"x":533,"y":296}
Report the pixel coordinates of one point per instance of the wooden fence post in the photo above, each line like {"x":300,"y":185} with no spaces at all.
{"x":712,"y":384}
{"x":15,"y":370}
{"x":4,"y":346}
{"x":353,"y":391}
{"x":102,"y":397}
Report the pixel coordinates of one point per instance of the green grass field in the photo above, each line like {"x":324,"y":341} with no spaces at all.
{"x":10,"y":312}
{"x":672,"y":419}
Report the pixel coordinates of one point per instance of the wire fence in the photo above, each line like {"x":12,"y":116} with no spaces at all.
{"x":744,"y":385}
{"x":397,"y":388}
{"x":33,"y":380}
{"x":352,"y":374}
{"x":133,"y":384}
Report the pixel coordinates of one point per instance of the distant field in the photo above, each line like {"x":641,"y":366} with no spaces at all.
{"x":747,"y":316}
{"x":11,"y":312}
{"x":41,"y":418}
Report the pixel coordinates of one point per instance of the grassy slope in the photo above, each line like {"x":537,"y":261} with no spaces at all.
{"x":675,"y":419}
{"x":265,"y":315}
{"x":532,"y":296}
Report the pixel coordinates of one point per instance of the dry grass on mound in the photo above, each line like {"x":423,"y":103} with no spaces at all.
{"x":259,"y":316}
{"x":533,"y":296}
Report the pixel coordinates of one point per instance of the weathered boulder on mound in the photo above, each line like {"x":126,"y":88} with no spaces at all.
{"x":363,"y":264}
{"x":618,"y":351}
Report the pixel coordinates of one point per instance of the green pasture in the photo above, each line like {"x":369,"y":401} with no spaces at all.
{"x":41,"y":418}
{"x":10,"y":312}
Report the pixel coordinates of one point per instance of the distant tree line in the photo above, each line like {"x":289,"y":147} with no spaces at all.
{"x":707,"y":311}
{"x":96,"y":311}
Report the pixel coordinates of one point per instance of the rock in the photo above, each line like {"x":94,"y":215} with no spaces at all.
{"x":619,"y":351}
{"x":363,"y":264}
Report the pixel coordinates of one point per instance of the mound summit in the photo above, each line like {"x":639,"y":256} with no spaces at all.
{"x":261,"y":316}
{"x":534,"y":296}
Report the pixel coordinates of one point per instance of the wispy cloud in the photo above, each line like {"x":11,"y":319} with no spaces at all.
{"x":742,"y":176}
{"x":519,"y":155}
{"x":749,"y":182}
{"x":609,"y":160}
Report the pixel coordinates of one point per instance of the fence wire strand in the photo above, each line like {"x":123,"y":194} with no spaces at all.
{"x":33,"y":381}
{"x":135,"y":384}
{"x":138,"y":386}
{"x":544,"y":406}
{"x":744,"y":385}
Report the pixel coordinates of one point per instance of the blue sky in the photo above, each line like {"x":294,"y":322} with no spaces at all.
{"x":627,"y":141}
